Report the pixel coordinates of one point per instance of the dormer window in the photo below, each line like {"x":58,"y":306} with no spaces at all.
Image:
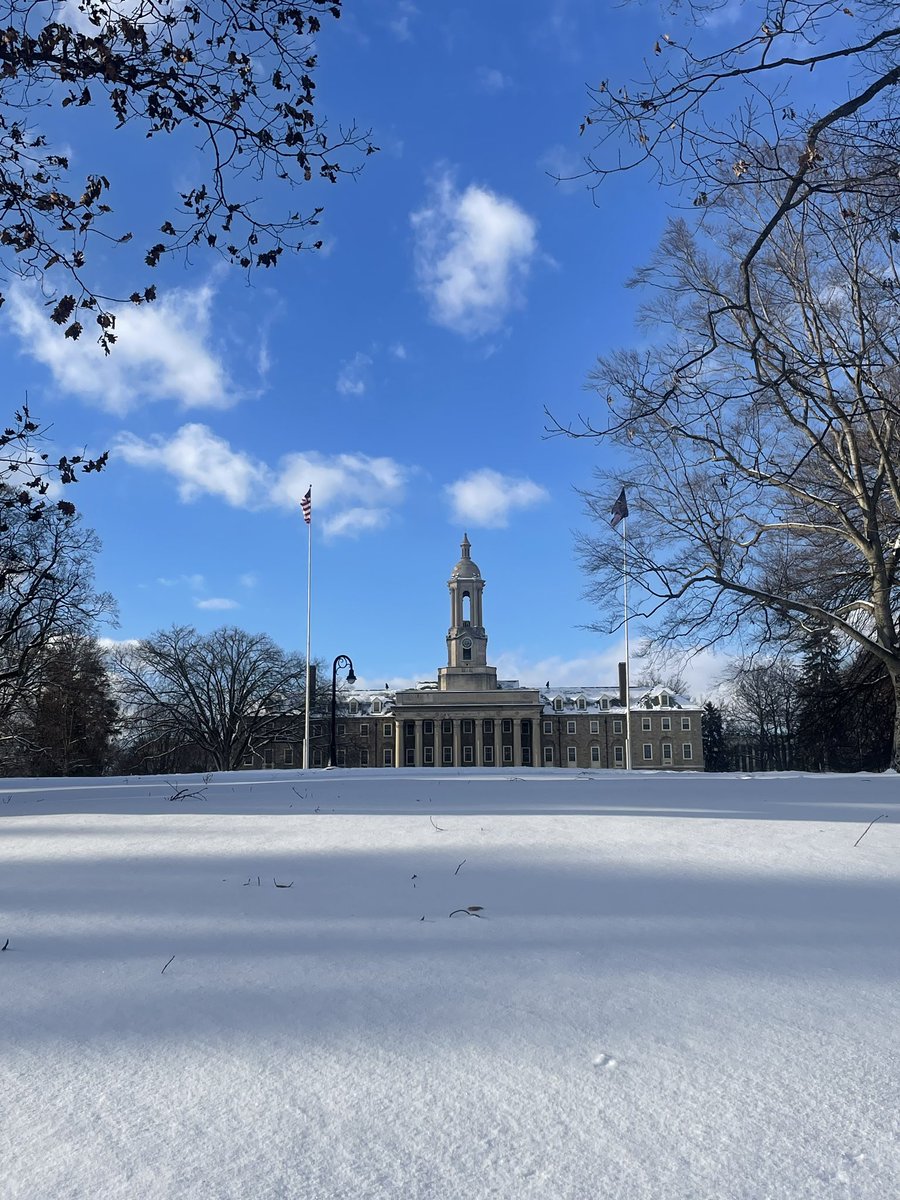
{"x":376,"y":706}
{"x":354,"y":707}
{"x":558,"y":704}
{"x":604,"y":703}
{"x":664,"y":699}
{"x":582,"y":703}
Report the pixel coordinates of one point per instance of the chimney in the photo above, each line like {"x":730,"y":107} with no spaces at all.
{"x":623,"y":688}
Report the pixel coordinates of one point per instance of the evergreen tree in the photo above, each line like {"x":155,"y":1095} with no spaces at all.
{"x":71,"y":715}
{"x":714,"y":755}
{"x":822,"y":716}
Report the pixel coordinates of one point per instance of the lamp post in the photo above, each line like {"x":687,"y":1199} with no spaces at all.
{"x":342,"y":660}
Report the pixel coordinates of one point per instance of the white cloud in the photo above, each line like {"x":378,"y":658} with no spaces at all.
{"x":350,"y":492}
{"x":195,"y":582}
{"x":487,"y":498}
{"x":354,"y":521}
{"x":248,"y":580}
{"x":473,"y":253}
{"x":216,"y":603}
{"x":399,"y":351}
{"x":400,"y":23}
{"x":352,"y":377}
{"x":597,"y":670}
{"x":491,"y":80}
{"x":202,"y":463}
{"x":162,"y":352}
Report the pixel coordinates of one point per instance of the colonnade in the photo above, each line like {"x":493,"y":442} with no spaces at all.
{"x":439,"y":739}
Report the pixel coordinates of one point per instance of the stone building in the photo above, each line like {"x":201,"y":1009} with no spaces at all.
{"x":468,"y":717}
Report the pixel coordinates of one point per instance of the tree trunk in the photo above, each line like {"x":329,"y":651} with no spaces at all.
{"x":895,"y":748}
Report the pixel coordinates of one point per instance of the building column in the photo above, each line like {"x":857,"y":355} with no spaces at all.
{"x":517,"y":741}
{"x":479,"y":742}
{"x":457,"y":742}
{"x":398,"y":743}
{"x":418,"y":741}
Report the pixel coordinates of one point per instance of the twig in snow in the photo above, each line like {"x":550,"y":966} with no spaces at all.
{"x":4,"y":946}
{"x":249,"y":881}
{"x":880,"y":817}
{"x":185,"y":793}
{"x":456,"y":872}
{"x":474,"y":910}
{"x":437,"y":827}
{"x":285,"y":885}
{"x":163,"y":971}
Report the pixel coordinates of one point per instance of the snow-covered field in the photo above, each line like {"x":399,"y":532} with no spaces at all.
{"x":675,"y":987}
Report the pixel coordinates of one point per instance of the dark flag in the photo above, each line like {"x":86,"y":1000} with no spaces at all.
{"x":619,"y":510}
{"x":306,"y":505}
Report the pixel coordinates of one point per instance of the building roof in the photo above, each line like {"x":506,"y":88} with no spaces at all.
{"x":465,"y":568}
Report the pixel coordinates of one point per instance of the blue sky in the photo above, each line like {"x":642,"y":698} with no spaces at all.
{"x":403,"y":371}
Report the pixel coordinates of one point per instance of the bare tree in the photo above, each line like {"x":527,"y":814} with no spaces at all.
{"x":46,"y":592}
{"x":219,"y":695}
{"x":764,"y":709}
{"x":764,"y":441}
{"x":236,"y":79}
{"x":802,"y":99}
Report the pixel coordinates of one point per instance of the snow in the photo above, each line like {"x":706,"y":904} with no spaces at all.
{"x":678,"y":986}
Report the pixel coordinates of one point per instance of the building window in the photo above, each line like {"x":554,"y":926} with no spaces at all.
{"x":428,"y":728}
{"x":468,"y":755}
{"x":376,"y":706}
{"x":317,"y":758}
{"x":571,"y":756}
{"x":446,"y":726}
{"x":341,"y":729}
{"x":595,"y":754}
{"x":664,"y":699}
{"x":617,"y":725}
{"x":570,"y":727}
{"x":558,"y":704}
{"x":687,"y":751}
{"x":467,"y":726}
{"x":387,"y":757}
{"x":364,"y":729}
{"x":595,"y":725}
{"x":648,"y":751}
{"x":387,"y":729}
{"x":342,"y":758}
{"x":269,"y":756}
{"x":685,"y":723}
{"x":409,"y":728}
{"x":315,"y":730}
{"x":667,"y":752}
{"x":354,"y":707}
{"x":507,"y":754}
{"x":507,"y":725}
{"x":287,"y":756}
{"x":448,"y":756}
{"x":364,"y":757}
{"x":428,"y":752}
{"x":645,"y":724}
{"x":548,"y":728}
{"x":604,"y":703}
{"x":548,"y":754}
{"x":582,"y":703}
{"x":619,"y":755}
{"x":410,"y":757}
{"x":489,"y":756}
{"x":488,"y":727}
{"x":526,"y":727}
{"x":526,"y":756}
{"x":667,"y":724}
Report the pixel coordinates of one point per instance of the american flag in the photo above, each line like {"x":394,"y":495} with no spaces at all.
{"x":306,"y":505}
{"x":619,"y":510}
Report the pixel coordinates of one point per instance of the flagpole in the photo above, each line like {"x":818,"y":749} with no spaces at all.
{"x":628,"y":765}
{"x":308,"y":633}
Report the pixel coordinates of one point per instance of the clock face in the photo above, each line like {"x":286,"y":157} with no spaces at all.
{"x":467,"y":643}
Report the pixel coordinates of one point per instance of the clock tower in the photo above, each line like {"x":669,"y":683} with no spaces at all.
{"x":467,"y":668}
